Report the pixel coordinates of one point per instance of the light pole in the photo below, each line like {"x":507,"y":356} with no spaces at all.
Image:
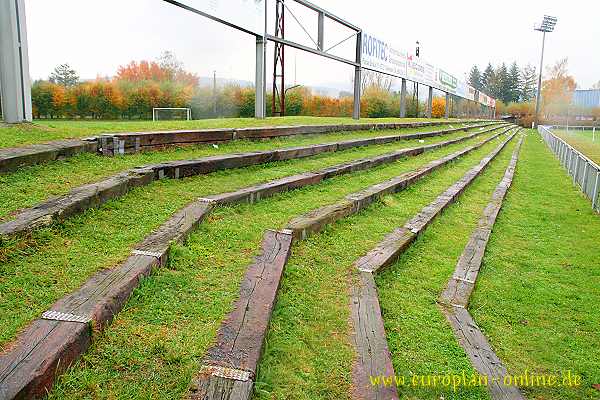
{"x":546,"y":26}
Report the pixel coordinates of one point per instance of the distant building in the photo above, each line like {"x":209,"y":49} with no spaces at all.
{"x":587,"y":98}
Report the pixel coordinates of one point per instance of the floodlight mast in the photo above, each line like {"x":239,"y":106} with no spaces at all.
{"x":546,"y":26}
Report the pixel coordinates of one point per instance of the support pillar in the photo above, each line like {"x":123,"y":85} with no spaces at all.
{"x":430,"y":102}
{"x":357,"y":77}
{"x":447,"y":114}
{"x":321,"y":31}
{"x":15,"y":85}
{"x":260,"y":105}
{"x":403,"y":99}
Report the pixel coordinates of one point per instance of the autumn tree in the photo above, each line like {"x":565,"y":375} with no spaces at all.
{"x":557,"y":89}
{"x":438,"y":107}
{"x":64,"y":75}
{"x":161,"y":83}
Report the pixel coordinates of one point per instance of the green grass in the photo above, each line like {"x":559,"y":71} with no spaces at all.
{"x":31,"y":185}
{"x":584,"y":141}
{"x":537,"y":295}
{"x":47,"y":130}
{"x":155,"y":345}
{"x":419,"y":338}
{"x":536,"y":299}
{"x":37,"y":270}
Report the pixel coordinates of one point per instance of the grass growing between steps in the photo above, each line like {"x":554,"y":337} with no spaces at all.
{"x":46,"y":130}
{"x":419,"y":338}
{"x":156,"y":344}
{"x":303,"y":357}
{"x":37,"y":270}
{"x":537,"y":296}
{"x":586,"y":142}
{"x":34,"y":184}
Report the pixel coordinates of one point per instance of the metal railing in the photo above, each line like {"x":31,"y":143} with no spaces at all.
{"x":585,"y":172}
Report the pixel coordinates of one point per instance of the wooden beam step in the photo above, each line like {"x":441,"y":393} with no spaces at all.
{"x":132,"y":142}
{"x":29,"y":365}
{"x":479,"y":351}
{"x":455,"y":297}
{"x":95,"y":194}
{"x":317,"y":219}
{"x":47,"y":347}
{"x":394,"y":244}
{"x":230,"y":366}
{"x":373,"y":358}
{"x":369,"y":338}
{"x":12,"y":159}
{"x":460,"y":286}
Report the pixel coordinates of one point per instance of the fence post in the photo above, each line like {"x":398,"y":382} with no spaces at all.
{"x":585,"y":176}
{"x":596,"y":189}
{"x":576,"y":169}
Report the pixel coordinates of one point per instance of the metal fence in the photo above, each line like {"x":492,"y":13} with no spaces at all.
{"x":585,"y":172}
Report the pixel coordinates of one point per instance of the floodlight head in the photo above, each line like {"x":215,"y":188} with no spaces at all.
{"x":547,"y":24}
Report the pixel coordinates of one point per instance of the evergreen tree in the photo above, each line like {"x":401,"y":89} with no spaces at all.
{"x":528,"y":83}
{"x":488,"y":80}
{"x":64,"y":75}
{"x":475,"y":78}
{"x":514,"y":83}
{"x":502,"y":84}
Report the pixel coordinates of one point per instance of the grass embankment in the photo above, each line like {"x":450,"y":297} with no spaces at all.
{"x":537,"y":295}
{"x":155,"y":345}
{"x":46,"y":130}
{"x":34,"y":184}
{"x":586,"y":142}
{"x":37,"y":270}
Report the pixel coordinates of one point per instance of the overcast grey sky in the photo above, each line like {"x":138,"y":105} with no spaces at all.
{"x":95,"y":37}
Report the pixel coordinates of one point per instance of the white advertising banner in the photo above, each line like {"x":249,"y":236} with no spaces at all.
{"x":380,"y":56}
{"x":470,"y":93}
{"x":446,"y":82}
{"x":247,"y":14}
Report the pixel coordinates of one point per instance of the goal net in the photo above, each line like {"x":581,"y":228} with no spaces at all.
{"x":166,"y":113}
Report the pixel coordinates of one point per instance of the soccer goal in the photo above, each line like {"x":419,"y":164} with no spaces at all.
{"x":167,"y":113}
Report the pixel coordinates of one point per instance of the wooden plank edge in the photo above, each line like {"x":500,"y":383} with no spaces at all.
{"x":316,"y":220}
{"x":395,"y":243}
{"x":77,"y":200}
{"x":460,"y":286}
{"x":373,"y":358}
{"x":480,"y":353}
{"x":229,"y":367}
{"x":46,"y":348}
{"x":132,"y":142}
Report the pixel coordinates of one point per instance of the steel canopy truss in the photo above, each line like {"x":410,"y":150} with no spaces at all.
{"x":13,"y":42}
{"x":319,"y":49}
{"x":278,"y":101}
{"x":281,"y":9}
